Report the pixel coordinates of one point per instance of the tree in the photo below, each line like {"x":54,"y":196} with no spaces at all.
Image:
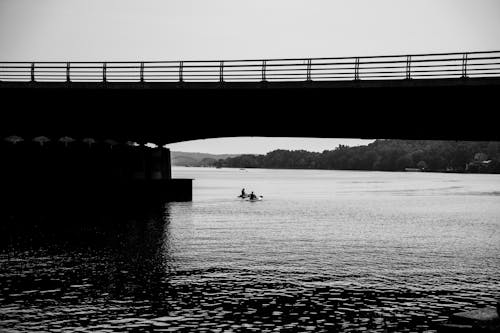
{"x":404,"y":161}
{"x":422,"y":165}
{"x":387,"y":155}
{"x":480,"y":157}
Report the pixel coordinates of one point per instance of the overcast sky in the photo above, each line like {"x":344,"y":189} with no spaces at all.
{"x":223,"y":29}
{"x":261,"y":145}
{"x":131,"y":30}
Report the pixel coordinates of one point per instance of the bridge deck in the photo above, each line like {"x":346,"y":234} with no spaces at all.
{"x":423,"y":96}
{"x":461,"y":110}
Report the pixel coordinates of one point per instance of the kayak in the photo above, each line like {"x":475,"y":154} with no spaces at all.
{"x":247,"y":197}
{"x":259,"y":198}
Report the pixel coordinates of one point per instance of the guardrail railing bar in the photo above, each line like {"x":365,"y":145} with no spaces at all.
{"x":457,"y":69}
{"x":309,"y":65}
{"x":474,"y":63}
{"x":181,"y":65}
{"x":141,"y":74}
{"x":39,"y":69}
{"x":264,"y":64}
{"x":356,"y":69}
{"x":408,"y":67}
{"x":32,"y":72}
{"x":464,"y":65}
{"x":68,"y":68}
{"x":253,"y":79}
{"x":221,"y":72}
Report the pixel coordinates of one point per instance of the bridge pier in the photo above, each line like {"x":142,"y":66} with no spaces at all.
{"x":152,"y":164}
{"x":72,"y":174}
{"x":160,"y":164}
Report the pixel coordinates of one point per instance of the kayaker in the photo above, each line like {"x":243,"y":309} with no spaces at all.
{"x":243,"y":194}
{"x":252,"y":196}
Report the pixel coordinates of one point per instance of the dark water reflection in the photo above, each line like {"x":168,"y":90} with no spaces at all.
{"x":75,"y":273}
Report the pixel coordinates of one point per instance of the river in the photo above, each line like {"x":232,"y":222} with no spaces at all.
{"x":323,"y":251}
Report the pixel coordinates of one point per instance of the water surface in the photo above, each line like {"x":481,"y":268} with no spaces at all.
{"x":324,"y":251}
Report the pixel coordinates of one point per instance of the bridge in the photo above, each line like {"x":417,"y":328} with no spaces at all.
{"x":452,"y":96}
{"x":375,"y":88}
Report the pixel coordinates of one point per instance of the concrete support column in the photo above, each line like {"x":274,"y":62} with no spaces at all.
{"x":156,"y":168}
{"x":151,"y":163}
{"x":166,"y":164}
{"x":148,"y":162}
{"x":160,"y":163}
{"x":139,"y":161}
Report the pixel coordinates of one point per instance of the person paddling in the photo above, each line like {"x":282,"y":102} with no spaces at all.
{"x":243,"y":194}
{"x":252,"y":196}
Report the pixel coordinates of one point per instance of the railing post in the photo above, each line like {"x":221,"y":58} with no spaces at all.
{"x":264,"y":64}
{"x":181,"y":66}
{"x":408,"y":67}
{"x":356,"y":69}
{"x":104,"y":70}
{"x":221,"y":71}
{"x":309,"y":64}
{"x":142,"y":72}
{"x":464,"y":64}
{"x":68,"y":68}
{"x":32,"y":72}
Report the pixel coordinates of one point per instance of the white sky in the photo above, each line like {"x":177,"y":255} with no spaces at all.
{"x":223,"y":29}
{"x":131,"y":30}
{"x":261,"y":145}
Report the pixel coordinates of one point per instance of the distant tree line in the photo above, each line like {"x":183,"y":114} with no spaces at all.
{"x":382,"y":155}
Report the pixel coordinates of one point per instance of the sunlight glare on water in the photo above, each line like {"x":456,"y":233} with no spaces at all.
{"x":404,"y":227}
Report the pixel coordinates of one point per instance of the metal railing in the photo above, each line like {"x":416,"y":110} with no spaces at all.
{"x":387,"y":67}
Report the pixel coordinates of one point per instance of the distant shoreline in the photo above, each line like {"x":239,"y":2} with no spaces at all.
{"x":302,"y":169}
{"x":383,"y":155}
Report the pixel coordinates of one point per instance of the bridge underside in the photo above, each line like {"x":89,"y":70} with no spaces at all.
{"x":452,"y":109}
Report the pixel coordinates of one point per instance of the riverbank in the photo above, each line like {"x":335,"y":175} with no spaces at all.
{"x":382,"y":155}
{"x":426,"y":171}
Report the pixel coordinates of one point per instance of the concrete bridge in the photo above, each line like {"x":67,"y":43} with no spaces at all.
{"x":422,"y":95}
{"x":451,"y":96}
